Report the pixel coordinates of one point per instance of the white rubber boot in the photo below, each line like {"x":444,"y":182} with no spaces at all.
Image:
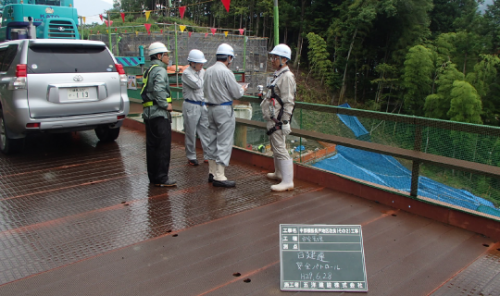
{"x":211,"y":170}
{"x":220,"y":179}
{"x":277,"y":174}
{"x":219,"y":172}
{"x":286,"y":168}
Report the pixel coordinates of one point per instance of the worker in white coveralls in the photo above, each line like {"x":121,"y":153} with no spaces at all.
{"x":194,"y":110}
{"x":277,"y":109}
{"x":220,"y":88}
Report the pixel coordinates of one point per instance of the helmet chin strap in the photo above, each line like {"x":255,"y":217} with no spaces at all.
{"x":229,"y":62}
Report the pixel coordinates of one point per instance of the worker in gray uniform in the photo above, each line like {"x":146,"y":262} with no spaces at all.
{"x":157,"y":105}
{"x":221,"y":88}
{"x":277,"y":110}
{"x":194,"y":110}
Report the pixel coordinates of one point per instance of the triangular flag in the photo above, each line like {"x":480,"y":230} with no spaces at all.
{"x":226,"y":3}
{"x":91,"y":31}
{"x":136,"y":33}
{"x":84,"y":19}
{"x":125,"y":31}
{"x":147,"y":14}
{"x":110,"y":23}
{"x":148,"y":26}
{"x":226,"y":32}
{"x":206,"y":34}
{"x":123,"y":16}
{"x":213,"y":30}
{"x":100,"y":16}
{"x":182,"y":10}
{"x":98,"y":32}
{"x":242,"y":31}
{"x":107,"y":31}
{"x":182,"y":28}
{"x":161,"y":31}
{"x":116,"y":29}
{"x":190,"y":34}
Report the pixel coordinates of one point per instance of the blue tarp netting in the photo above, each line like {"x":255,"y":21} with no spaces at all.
{"x":352,"y":122}
{"x":387,"y":171}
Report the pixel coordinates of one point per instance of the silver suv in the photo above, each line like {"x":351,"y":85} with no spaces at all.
{"x":49,"y":85}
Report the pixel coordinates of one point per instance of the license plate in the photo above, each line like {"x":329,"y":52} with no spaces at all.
{"x":79,"y":93}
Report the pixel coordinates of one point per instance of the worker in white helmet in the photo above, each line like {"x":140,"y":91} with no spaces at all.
{"x":277,"y":110}
{"x":157,"y":105}
{"x":220,"y":89}
{"x":194,"y":110}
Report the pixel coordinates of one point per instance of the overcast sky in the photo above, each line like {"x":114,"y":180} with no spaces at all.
{"x":92,"y":8}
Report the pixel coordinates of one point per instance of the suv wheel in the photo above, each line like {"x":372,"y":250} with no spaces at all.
{"x":8,"y":145}
{"x":107,"y":134}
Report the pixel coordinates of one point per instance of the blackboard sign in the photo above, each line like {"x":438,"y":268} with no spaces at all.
{"x":322,"y":258}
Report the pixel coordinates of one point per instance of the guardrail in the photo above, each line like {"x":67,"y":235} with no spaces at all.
{"x":418,"y":131}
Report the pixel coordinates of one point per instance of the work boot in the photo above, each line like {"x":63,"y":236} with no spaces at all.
{"x":193,"y":162}
{"x":277,"y":174}
{"x":286,"y":168}
{"x":211,"y":170}
{"x":220,"y":179}
{"x":169,"y":183}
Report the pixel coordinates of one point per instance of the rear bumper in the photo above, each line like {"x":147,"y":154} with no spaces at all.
{"x":69,"y":124}
{"x":82,"y":122}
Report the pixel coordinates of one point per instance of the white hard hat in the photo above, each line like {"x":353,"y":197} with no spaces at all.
{"x":196,"y":56}
{"x":226,"y":49}
{"x":282,"y":50}
{"x":156,"y":48}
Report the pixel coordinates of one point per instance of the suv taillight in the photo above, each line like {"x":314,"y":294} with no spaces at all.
{"x":121,"y":72}
{"x":21,"y":70}
{"x":20,"y":81}
{"x":120,"y":69}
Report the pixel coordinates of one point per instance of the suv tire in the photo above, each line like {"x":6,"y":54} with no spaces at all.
{"x":8,"y":145}
{"x":107,"y":134}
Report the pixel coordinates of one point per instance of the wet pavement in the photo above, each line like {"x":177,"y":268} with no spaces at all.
{"x":79,"y":217}
{"x":69,"y":197}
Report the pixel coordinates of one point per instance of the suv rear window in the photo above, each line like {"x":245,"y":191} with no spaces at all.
{"x":69,"y":59}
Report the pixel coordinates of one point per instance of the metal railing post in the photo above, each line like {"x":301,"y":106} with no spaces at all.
{"x":415,"y":168}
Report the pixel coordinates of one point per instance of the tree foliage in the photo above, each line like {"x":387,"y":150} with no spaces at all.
{"x":410,"y":54}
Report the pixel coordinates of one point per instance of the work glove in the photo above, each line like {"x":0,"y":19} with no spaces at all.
{"x":286,"y":129}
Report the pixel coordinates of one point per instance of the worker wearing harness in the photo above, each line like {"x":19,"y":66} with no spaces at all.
{"x":221,"y":89}
{"x":194,"y":109}
{"x":277,"y":110}
{"x":156,"y":114}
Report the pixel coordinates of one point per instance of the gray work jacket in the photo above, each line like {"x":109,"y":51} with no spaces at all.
{"x":192,"y":84}
{"x":220,"y":85}
{"x":285,"y":88}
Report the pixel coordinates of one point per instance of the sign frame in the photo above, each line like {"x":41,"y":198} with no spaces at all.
{"x":315,"y":245}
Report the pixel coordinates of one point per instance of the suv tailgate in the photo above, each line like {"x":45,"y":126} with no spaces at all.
{"x":69,"y":80}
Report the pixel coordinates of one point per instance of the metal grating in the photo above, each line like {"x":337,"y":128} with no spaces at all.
{"x":68,"y":198}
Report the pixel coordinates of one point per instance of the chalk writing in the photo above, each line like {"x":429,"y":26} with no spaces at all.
{"x":322,"y":257}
